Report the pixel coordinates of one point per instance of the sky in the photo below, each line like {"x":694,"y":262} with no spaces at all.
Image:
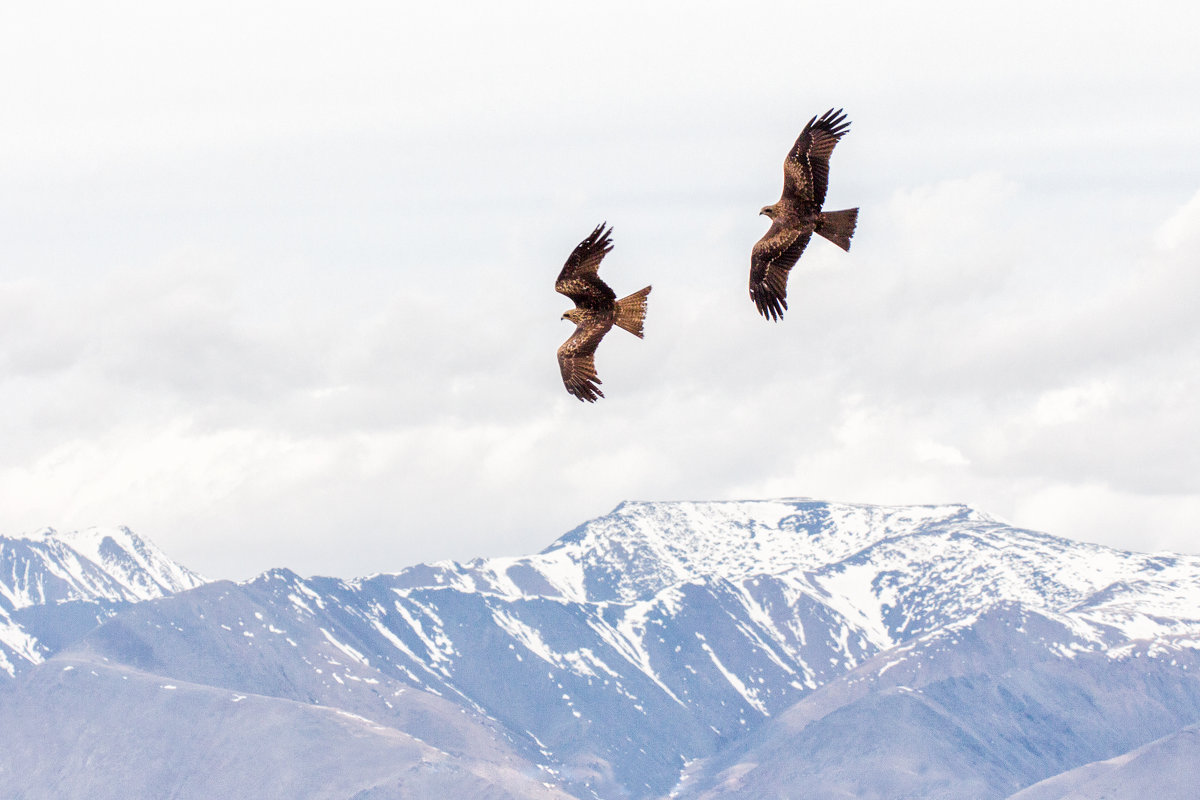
{"x":276,"y":280}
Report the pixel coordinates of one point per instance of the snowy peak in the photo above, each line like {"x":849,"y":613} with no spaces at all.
{"x":54,"y":585}
{"x":938,"y":562}
{"x":892,"y":572}
{"x":641,"y":548}
{"x":111,"y":563}
{"x":138,"y":565}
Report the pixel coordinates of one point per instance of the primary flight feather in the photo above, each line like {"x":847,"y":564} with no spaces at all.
{"x":596,"y":310}
{"x":798,"y":215}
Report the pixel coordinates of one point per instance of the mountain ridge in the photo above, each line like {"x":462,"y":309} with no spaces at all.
{"x":665,"y":646}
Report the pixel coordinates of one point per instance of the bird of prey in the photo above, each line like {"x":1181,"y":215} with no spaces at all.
{"x":596,"y":310}
{"x":798,"y":215}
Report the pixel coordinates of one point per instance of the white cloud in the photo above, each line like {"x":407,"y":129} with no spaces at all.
{"x":927,"y":451}
{"x":278,"y":290}
{"x":1182,"y":227}
{"x":1070,"y":404}
{"x":1094,"y":512}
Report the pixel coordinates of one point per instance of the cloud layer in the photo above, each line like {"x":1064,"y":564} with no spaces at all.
{"x":279,"y":292}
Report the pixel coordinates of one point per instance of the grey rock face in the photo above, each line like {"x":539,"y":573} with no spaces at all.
{"x":81,"y":729}
{"x":1166,"y":769}
{"x":971,"y":735}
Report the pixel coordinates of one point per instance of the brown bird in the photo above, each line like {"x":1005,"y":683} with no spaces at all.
{"x":596,"y":310}
{"x":798,"y":215}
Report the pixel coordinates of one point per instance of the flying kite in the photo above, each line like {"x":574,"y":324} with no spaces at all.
{"x":798,"y":215}
{"x":596,"y":311}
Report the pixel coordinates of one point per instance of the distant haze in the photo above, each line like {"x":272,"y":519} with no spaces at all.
{"x":276,"y":285}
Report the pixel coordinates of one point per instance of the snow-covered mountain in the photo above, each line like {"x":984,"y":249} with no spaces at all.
{"x":54,"y":586}
{"x":703,"y":650}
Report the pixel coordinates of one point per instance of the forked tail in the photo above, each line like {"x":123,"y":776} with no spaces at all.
{"x":838,"y":226}
{"x":631,"y":312}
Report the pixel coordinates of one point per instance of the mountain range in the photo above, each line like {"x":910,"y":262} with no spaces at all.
{"x":784,"y":648}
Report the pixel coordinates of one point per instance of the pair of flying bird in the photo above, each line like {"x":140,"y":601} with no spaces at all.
{"x":794,"y":219}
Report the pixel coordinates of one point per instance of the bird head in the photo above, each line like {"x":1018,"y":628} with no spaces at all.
{"x":768,"y":211}
{"x":572,"y":315}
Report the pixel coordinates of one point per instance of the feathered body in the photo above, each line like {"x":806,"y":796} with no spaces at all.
{"x":798,"y":215}
{"x":596,"y":310}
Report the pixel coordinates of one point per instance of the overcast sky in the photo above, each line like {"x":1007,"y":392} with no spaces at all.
{"x":276,"y":279}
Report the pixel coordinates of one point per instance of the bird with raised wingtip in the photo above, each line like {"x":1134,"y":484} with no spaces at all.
{"x":596,"y":310}
{"x":798,"y":215}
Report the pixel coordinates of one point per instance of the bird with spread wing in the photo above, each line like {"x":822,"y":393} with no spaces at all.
{"x":798,"y":215}
{"x":596,"y":310}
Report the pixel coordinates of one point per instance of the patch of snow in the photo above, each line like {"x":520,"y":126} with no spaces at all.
{"x":345,"y":648}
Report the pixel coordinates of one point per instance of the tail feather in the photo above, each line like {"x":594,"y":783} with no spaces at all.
{"x":631,"y":312}
{"x":838,"y":226}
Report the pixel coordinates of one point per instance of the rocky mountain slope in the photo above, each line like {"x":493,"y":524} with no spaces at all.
{"x":716,"y":650}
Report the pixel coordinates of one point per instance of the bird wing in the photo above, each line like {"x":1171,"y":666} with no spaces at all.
{"x":579,"y":278}
{"x":577,"y":362}
{"x":806,"y":168}
{"x":770,"y":260}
